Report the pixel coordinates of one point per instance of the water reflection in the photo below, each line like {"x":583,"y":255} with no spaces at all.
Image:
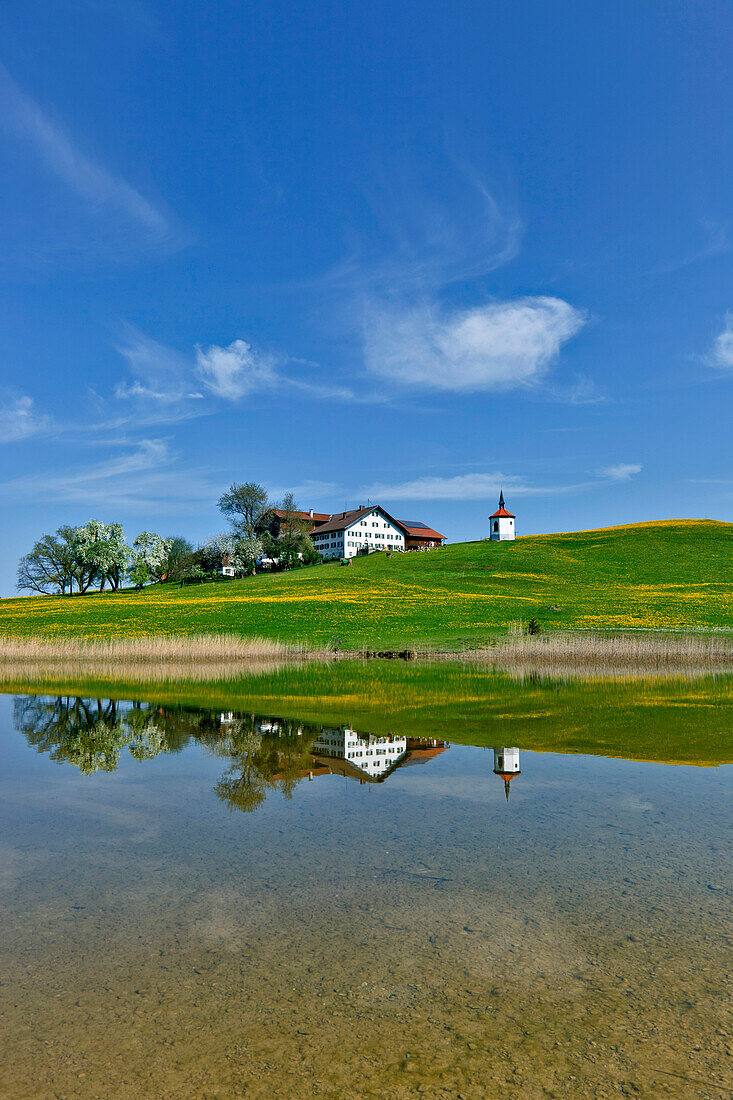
{"x":262,"y":753}
{"x":506,"y":766}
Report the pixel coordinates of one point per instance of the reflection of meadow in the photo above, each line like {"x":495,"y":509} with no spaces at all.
{"x":673,"y":719}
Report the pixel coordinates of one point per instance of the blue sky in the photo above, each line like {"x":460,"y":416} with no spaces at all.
{"x":411,"y":252}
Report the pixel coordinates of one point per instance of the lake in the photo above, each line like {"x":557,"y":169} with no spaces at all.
{"x":228,"y":900}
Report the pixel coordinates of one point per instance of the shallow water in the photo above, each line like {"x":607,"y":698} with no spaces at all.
{"x":186,"y":914}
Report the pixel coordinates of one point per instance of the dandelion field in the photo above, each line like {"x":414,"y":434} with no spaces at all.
{"x":670,"y":575}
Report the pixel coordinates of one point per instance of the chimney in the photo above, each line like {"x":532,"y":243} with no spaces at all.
{"x":310,"y":513}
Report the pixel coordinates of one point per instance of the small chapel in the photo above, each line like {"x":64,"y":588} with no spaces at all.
{"x":502,"y":523}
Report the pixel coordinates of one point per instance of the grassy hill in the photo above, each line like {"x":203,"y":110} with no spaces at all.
{"x":667,"y":575}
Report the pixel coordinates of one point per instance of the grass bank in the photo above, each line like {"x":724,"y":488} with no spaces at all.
{"x":672,"y":575}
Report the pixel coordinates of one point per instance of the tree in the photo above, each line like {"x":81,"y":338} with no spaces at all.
{"x":293,"y":545}
{"x":99,"y":553}
{"x":245,"y":506}
{"x":292,"y":524}
{"x":138,"y":573}
{"x":178,"y":559}
{"x":242,"y":553}
{"x":149,"y":556}
{"x":48,"y":567}
{"x":248,"y":553}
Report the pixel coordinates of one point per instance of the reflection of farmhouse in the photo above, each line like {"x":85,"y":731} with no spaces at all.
{"x":370,"y":759}
{"x":346,"y":752}
{"x":506,"y":766}
{"x":343,"y":751}
{"x":359,"y":531}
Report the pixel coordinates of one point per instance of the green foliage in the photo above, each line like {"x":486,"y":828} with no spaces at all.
{"x":139,"y":573}
{"x":178,"y":558}
{"x":49,"y":566}
{"x":245,"y":506}
{"x":149,"y":557}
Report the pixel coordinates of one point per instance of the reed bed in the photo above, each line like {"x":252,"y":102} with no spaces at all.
{"x":608,"y":656}
{"x":52,"y":673}
{"x":188,"y":650}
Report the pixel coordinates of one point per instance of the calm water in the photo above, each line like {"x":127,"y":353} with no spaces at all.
{"x":206,"y":904}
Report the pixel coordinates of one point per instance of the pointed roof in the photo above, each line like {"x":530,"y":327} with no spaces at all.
{"x":501,"y":510}
{"x":507,"y":777}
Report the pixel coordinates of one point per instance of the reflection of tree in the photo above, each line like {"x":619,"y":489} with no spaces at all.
{"x":90,"y":734}
{"x":86,"y":733}
{"x":244,"y":786}
{"x":260,"y":761}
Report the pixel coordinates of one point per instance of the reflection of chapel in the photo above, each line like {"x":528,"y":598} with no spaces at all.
{"x":502,"y":523}
{"x":506,"y":766}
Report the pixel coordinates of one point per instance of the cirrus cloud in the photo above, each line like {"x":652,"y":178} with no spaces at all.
{"x":20,"y":420}
{"x":722,"y":353}
{"x":481,"y":486}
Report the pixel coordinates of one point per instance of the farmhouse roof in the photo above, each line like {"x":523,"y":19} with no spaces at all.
{"x":317,"y":517}
{"x":342,"y":520}
{"x":420,"y":530}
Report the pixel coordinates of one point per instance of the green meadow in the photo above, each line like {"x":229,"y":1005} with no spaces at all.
{"x":670,"y":575}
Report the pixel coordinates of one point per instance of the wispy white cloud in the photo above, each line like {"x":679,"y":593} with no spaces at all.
{"x":718,"y":242}
{"x":425,"y":243}
{"x":486,"y":486}
{"x":165,"y":385}
{"x":623,"y":471}
{"x":721,"y":354}
{"x":498,"y":346}
{"x":143,"y":475}
{"x":19,"y":419}
{"x":161,"y":383}
{"x":110,"y":199}
{"x":237,"y":370}
{"x":392,"y":296}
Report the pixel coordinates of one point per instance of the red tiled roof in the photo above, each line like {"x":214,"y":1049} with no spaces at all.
{"x":341,"y":520}
{"x":421,"y":532}
{"x":317,"y":517}
{"x":502,"y":513}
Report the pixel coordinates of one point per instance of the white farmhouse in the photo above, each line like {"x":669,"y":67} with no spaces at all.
{"x":362,"y":529}
{"x":502,"y":524}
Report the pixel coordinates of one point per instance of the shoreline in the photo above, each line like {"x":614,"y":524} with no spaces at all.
{"x":204,"y":657}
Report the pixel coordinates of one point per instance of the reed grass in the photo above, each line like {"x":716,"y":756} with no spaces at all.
{"x":197,"y":657}
{"x":608,"y":655}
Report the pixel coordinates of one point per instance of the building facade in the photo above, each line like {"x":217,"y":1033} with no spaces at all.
{"x":503,"y":524}
{"x":359,"y":531}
